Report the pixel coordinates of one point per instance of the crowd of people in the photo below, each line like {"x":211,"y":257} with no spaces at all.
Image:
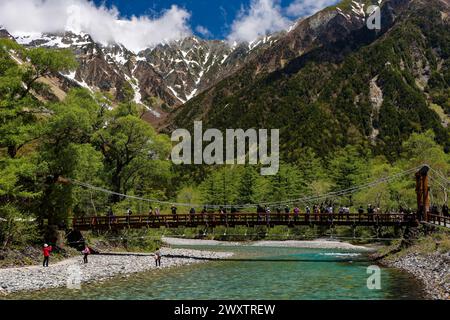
{"x":278,"y":212}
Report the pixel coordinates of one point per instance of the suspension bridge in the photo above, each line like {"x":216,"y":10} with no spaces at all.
{"x":424,"y":213}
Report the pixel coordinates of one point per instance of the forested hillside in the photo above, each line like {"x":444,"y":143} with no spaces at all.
{"x":351,"y":86}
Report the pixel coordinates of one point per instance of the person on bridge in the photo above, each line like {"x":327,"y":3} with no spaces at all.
{"x":330,"y":211}
{"x":296,"y":213}
{"x":340,"y":213}
{"x":174,"y":212}
{"x":259,"y":211}
{"x":192,"y":214}
{"x":129,"y":213}
{"x":110,"y":215}
{"x":279,"y":214}
{"x":361,"y":210}
{"x":370,"y":212}
{"x":287,"y":212}
{"x":267,"y":214}
{"x":46,"y":251}
{"x":85,"y":253}
{"x":233,"y":211}
{"x":150,"y":214}
{"x":205,"y":214}
{"x":347,"y":212}
{"x":445,"y":210}
{"x":157,"y":214}
{"x":316,"y":209}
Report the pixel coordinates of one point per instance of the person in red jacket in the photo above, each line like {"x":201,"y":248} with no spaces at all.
{"x":46,"y":250}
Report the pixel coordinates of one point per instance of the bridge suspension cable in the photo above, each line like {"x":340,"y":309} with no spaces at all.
{"x":307,"y":199}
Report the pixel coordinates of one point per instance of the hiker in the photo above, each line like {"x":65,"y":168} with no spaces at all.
{"x":192,"y":214}
{"x":296,"y":213}
{"x":445,"y":210}
{"x":308,"y":213}
{"x":341,"y":213}
{"x":259,"y":211}
{"x":46,"y":251}
{"x":129,"y":213}
{"x":157,"y":214}
{"x":205,"y":213}
{"x":173,"y":209}
{"x":347,"y":212}
{"x":361,"y":210}
{"x":267,"y":214}
{"x":110,"y":215}
{"x":370,"y":212}
{"x":279,"y":215}
{"x":86,"y":252}
{"x":158,"y":258}
{"x":223,"y":214}
{"x":316,"y":209}
{"x":233,"y":213}
{"x":330,"y":211}
{"x":287,"y":211}
{"x":150,"y":215}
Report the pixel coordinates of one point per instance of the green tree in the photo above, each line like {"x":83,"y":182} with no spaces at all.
{"x":131,"y":148}
{"x":347,"y":169}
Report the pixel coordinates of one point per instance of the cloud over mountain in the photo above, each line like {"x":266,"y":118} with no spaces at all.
{"x":104,"y":24}
{"x":263,"y":17}
{"x":301,"y":8}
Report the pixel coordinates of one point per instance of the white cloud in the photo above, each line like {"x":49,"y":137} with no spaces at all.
{"x":104,"y":24}
{"x":302,"y":8}
{"x":203,"y":31}
{"x":263,"y":17}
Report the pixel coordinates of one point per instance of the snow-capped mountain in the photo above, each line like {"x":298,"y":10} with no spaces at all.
{"x":191,"y":65}
{"x":160,"y":78}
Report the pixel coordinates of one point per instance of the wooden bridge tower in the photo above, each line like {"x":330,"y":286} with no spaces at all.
{"x":423,"y":195}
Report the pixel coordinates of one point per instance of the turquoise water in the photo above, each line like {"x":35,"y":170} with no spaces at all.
{"x":255,"y":273}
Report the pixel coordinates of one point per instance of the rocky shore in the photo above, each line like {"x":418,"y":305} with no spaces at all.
{"x":432,"y":269}
{"x":100,"y":267}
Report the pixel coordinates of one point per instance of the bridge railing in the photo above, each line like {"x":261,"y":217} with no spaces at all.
{"x":438,"y":220}
{"x":212,"y":219}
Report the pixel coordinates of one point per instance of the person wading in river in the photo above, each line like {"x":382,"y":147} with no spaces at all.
{"x":46,"y":251}
{"x":158,"y":258}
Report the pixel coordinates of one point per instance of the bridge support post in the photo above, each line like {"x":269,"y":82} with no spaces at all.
{"x":422,"y":191}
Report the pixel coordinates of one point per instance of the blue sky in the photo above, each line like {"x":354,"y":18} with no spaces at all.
{"x":215,"y":15}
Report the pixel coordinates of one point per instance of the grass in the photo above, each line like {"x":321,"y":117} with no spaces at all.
{"x":438,"y":241}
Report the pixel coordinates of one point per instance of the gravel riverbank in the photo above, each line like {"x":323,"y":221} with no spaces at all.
{"x":432,"y":269}
{"x":100,"y":267}
{"x":312,"y":244}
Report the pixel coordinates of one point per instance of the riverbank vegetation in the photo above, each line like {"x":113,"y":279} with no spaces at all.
{"x":47,"y":144}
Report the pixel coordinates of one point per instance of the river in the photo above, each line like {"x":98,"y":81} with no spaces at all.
{"x":254,"y":273}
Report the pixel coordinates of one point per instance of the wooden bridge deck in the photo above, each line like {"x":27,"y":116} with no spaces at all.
{"x":247,"y":219}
